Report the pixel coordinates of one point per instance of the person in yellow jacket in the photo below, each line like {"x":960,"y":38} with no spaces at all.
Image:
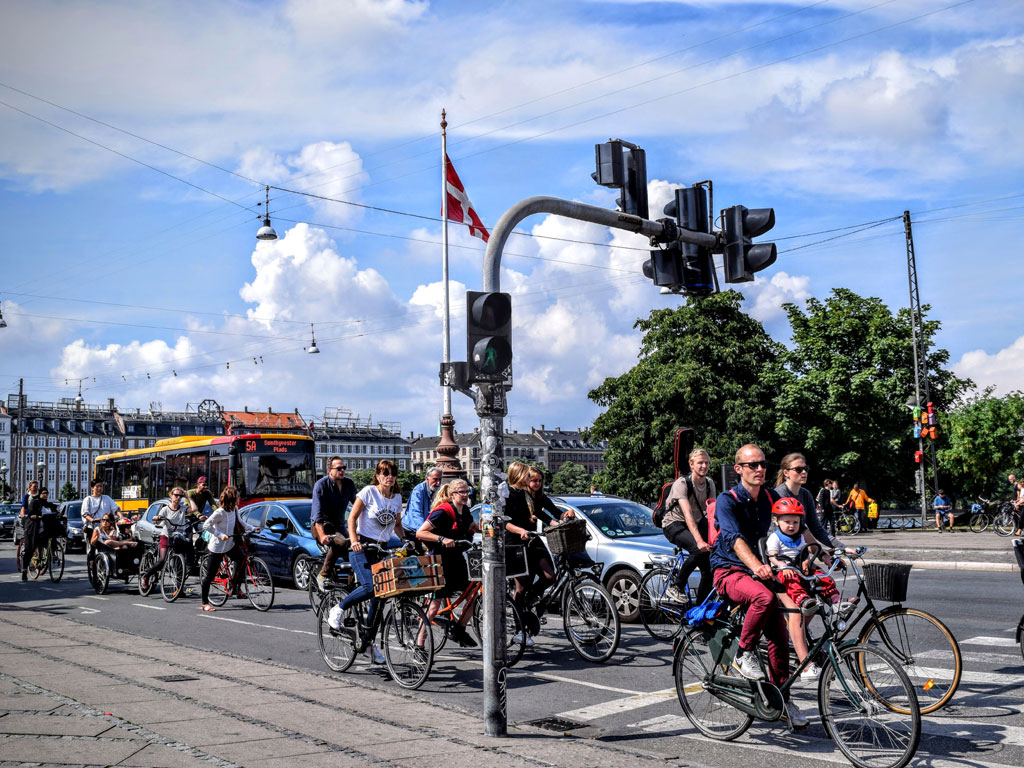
{"x":860,"y":501}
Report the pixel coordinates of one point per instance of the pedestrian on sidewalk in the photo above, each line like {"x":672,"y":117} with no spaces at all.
{"x":942,"y":505}
{"x":825,"y":511}
{"x":858,"y":500}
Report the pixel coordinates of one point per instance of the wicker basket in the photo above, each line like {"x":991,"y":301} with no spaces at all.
{"x":888,"y":582}
{"x":401,"y":575}
{"x":569,"y":537}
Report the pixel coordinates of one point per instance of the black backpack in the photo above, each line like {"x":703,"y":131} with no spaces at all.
{"x":659,"y":508}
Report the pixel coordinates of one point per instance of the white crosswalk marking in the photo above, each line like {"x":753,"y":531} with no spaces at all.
{"x":1004,"y":642}
{"x":1007,"y":659}
{"x":616,"y":706}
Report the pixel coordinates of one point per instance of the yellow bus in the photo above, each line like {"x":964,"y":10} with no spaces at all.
{"x":260,"y":466}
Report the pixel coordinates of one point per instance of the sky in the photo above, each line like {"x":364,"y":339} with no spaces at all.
{"x":136,"y":141}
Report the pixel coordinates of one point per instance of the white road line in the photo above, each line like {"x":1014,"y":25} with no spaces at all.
{"x":1010,"y":659}
{"x":86,"y":610}
{"x":50,"y":589}
{"x":253,"y":624}
{"x":520,"y":671}
{"x":151,"y":607}
{"x":97,"y":597}
{"x":616,"y":706}
{"x":971,"y":676}
{"x":1004,"y":642}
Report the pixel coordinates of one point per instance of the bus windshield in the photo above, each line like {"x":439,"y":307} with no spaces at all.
{"x":277,"y":474}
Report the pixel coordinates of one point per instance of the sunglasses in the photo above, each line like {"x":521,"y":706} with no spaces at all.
{"x":753,"y":464}
{"x":801,"y":470}
{"x":336,"y":468}
{"x":386,"y":473}
{"x":460,"y":493}
{"x":177,"y":495}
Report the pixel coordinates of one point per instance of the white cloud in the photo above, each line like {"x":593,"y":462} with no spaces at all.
{"x":765,"y":297}
{"x":1004,"y":369}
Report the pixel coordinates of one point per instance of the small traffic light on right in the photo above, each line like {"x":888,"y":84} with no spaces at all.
{"x":488,"y":336}
{"x":742,"y":257}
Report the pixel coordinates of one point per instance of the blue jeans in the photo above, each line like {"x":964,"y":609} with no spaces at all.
{"x":361,"y":568}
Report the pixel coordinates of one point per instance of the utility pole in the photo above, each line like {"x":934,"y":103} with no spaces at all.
{"x":920,"y":364}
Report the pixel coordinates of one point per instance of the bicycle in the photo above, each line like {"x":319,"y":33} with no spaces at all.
{"x":49,"y":559}
{"x":867,"y":703}
{"x":176,"y":566}
{"x":912,"y":636}
{"x":848,"y":521}
{"x":981,"y":517}
{"x":661,"y":616}
{"x":589,"y":616}
{"x":259,"y":585}
{"x":408,"y":663}
{"x":1005,"y":520}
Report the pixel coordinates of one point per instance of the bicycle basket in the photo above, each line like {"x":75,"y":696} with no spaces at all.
{"x":569,"y":537}
{"x":887,"y":581}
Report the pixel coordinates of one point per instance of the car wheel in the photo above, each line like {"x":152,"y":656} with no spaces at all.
{"x":302,"y":571}
{"x":624,"y":587}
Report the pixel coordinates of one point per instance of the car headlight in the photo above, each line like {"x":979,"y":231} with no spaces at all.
{"x":659,"y":559}
{"x":75,"y":531}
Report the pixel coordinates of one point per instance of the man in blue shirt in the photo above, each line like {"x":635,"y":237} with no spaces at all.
{"x":332,"y":495}
{"x":941,"y":504}
{"x":418,"y":508}
{"x":743,"y":516}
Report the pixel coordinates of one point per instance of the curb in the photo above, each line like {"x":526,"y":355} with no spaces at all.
{"x":953,"y":565}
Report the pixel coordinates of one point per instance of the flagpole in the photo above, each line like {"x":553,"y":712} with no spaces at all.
{"x":447,"y":448}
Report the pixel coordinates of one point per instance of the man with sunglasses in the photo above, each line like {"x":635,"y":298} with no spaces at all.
{"x":743,"y":516}
{"x":331,"y":496}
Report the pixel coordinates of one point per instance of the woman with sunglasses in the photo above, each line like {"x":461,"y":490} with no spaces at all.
{"x":173,"y":519}
{"x":448,"y":523}
{"x":791,"y":482}
{"x":376,"y":514}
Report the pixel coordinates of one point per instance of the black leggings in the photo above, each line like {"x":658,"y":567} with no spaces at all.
{"x":541,"y":569}
{"x":679,"y":534}
{"x":213,"y":565}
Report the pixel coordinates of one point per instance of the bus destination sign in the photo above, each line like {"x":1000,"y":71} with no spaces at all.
{"x":271,"y":446}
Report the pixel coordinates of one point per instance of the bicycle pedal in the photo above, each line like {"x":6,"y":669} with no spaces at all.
{"x":348,"y":621}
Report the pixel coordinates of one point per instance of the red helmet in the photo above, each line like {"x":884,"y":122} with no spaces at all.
{"x":788,"y":506}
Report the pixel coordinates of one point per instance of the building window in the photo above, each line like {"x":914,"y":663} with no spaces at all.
{"x":105,"y":443}
{"x":37,"y":423}
{"x":116,"y":442}
{"x":74,"y":459}
{"x":3,"y":446}
{"x":95,"y":442}
{"x":87,"y":426}
{"x":29,"y":441}
{"x":71,"y":426}
{"x":63,"y":442}
{"x":63,"y":458}
{"x":52,"y":475}
{"x":51,"y":442}
{"x":150,"y":429}
{"x":152,"y":443}
{"x":130,"y":428}
{"x":30,"y":458}
{"x":131,"y":444}
{"x":74,"y":476}
{"x":199,"y":431}
{"x":175,"y":431}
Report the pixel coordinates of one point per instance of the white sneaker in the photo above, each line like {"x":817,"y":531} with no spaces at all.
{"x":796,"y":718}
{"x":676,"y":595}
{"x":746,"y":664}
{"x":529,"y":640}
{"x":811,"y":673}
{"x":334,"y":616}
{"x":374,"y":655}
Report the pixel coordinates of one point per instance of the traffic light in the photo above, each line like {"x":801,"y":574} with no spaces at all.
{"x":742,"y":257}
{"x":488,"y":336}
{"x":684,"y":267}
{"x":627,"y":172}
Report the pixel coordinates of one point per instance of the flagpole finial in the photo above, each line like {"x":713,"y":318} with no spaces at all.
{"x":444,"y":123}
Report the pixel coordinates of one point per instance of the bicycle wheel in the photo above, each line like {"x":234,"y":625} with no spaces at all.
{"x":57,"y":559}
{"x":408,"y":663}
{"x":868,"y":707}
{"x":314,"y":593}
{"x":1003,"y":523}
{"x":692,"y":668}
{"x":100,"y":574}
{"x":337,"y":646}
{"x":591,"y":621}
{"x":172,"y":578}
{"x":515,"y":639}
{"x":439,"y":624}
{"x":979,"y":522}
{"x":38,"y":562}
{"x":21,"y":544}
{"x":925,"y":649}
{"x":259,"y":586}
{"x":221,"y":580}
{"x":147,"y":562}
{"x":663,"y":620}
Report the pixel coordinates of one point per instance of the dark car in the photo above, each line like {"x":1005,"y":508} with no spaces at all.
{"x":8,"y":513}
{"x":72,"y":510}
{"x":286,"y":542}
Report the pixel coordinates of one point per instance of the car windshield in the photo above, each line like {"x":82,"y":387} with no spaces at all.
{"x":301,"y":513}
{"x":274,"y":475}
{"x":9,"y":509}
{"x":619,"y":519}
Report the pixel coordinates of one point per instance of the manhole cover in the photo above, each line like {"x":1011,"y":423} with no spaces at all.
{"x":555,"y":724}
{"x":175,"y":678}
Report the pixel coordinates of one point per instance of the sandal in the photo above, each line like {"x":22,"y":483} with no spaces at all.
{"x":208,"y":609}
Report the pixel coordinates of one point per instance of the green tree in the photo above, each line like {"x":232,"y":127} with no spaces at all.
{"x":571,"y":479}
{"x":705,"y":365}
{"x":67,"y":493}
{"x":845,"y":404}
{"x":984,"y":442}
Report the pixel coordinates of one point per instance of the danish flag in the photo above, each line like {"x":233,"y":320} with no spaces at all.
{"x":460,"y":208}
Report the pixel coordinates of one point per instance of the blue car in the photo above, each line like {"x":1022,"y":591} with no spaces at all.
{"x":286,"y":542}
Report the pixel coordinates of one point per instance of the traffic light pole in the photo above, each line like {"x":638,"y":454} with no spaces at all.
{"x":491,"y":407}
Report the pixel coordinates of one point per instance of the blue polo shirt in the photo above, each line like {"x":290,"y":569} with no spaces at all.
{"x":941,"y":501}
{"x":740,"y":517}
{"x":331,"y":503}
{"x":419,"y":507}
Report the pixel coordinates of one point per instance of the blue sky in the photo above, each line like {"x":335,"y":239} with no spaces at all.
{"x":134,"y":266}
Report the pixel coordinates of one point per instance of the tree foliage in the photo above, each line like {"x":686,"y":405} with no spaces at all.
{"x":845,"y":406}
{"x":705,"y":365}
{"x":571,"y":479}
{"x":984,"y":442}
{"x":67,"y":492}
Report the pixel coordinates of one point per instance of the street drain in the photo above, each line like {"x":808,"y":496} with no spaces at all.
{"x":175,"y":678}
{"x":555,"y":724}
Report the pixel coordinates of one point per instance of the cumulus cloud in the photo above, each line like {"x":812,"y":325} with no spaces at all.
{"x":1004,"y":369}
{"x":765,"y":297}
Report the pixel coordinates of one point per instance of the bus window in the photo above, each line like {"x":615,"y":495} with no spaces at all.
{"x":218,"y":475}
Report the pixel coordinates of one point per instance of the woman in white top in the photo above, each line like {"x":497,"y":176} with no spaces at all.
{"x":375,"y":515}
{"x":174,"y":521}
{"x":224,"y":524}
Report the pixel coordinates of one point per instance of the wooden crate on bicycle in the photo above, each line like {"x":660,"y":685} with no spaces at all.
{"x":569,"y":537}
{"x":404,"y":575}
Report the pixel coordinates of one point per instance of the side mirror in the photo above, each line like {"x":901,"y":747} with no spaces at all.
{"x":279,"y":528}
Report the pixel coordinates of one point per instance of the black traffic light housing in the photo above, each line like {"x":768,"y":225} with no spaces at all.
{"x":742,"y":257}
{"x":488,"y":336}
{"x":684,"y":267}
{"x":624,"y":171}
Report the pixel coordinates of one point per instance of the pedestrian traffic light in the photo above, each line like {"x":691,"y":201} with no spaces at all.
{"x":626,"y":172}
{"x":488,"y":336}
{"x":742,"y":257}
